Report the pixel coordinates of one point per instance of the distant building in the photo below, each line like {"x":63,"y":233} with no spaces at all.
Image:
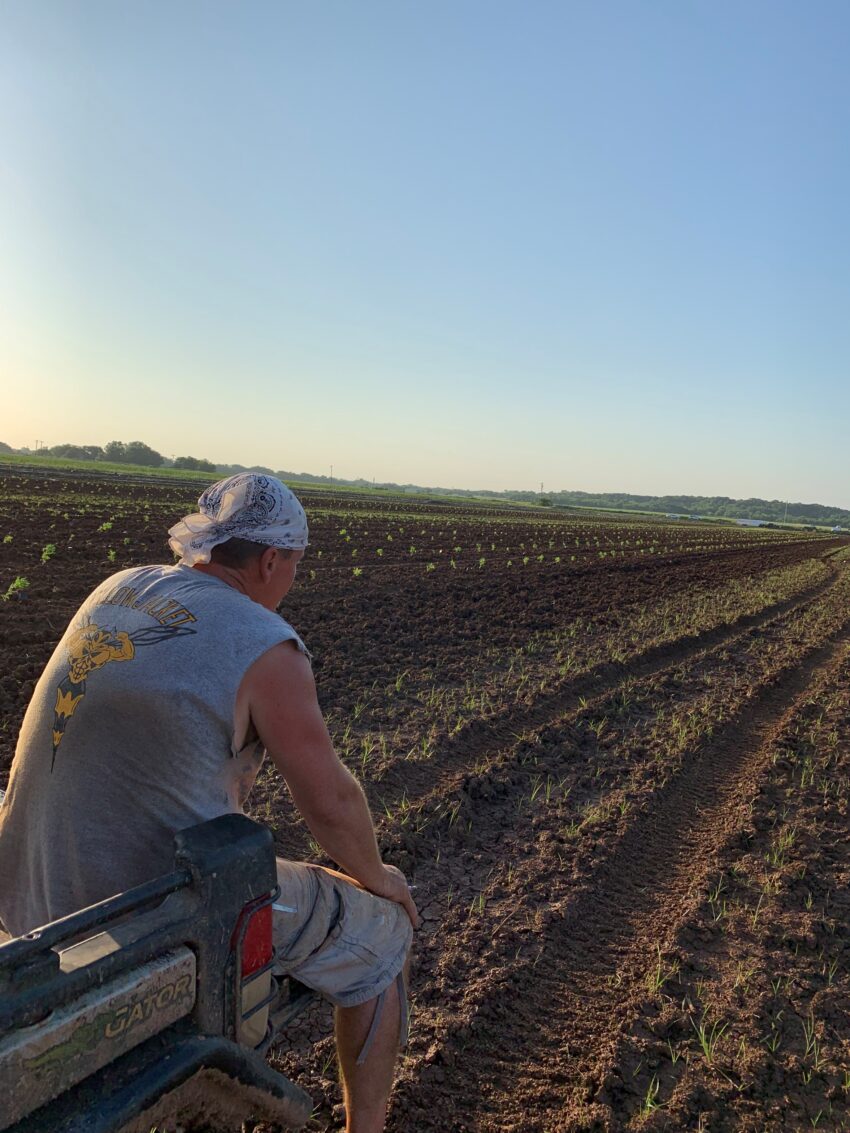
{"x":751,"y":522}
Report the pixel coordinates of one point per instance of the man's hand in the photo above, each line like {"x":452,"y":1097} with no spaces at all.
{"x":398,"y":890}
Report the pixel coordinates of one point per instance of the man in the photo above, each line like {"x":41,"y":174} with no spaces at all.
{"x":153,"y":715}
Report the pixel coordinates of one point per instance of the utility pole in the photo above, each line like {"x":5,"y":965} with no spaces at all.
{"x":332,"y":474}
{"x":37,"y":443}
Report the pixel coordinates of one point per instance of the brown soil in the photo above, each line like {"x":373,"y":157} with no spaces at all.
{"x":634,"y":872}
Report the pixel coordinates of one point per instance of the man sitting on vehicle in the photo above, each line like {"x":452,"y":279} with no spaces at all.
{"x":154,"y":714}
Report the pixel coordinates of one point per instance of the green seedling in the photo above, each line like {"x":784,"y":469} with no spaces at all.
{"x":16,"y":589}
{"x":478,"y":904}
{"x":812,"y":1041}
{"x":650,"y":1101}
{"x":744,"y":975}
{"x":657,"y":976}
{"x":366,"y":749}
{"x":709,"y":1037}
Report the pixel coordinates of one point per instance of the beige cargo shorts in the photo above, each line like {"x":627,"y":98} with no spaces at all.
{"x":345,"y":943}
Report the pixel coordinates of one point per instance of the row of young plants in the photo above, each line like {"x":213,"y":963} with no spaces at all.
{"x":94,"y":528}
{"x":416,"y":711}
{"x":361,"y":543}
{"x":355,"y":542}
{"x":589,"y":771}
{"x":759,"y":973}
{"x":560,"y":793}
{"x":19,"y":586}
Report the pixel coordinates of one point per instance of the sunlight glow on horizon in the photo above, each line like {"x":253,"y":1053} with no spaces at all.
{"x":602,"y":248}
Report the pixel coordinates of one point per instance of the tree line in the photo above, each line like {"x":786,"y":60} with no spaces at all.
{"x":714,"y":507}
{"x":123,"y":452}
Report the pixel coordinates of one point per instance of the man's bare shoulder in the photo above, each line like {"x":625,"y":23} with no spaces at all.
{"x":283,"y":670}
{"x":278,"y":697}
{"x":279,"y":682}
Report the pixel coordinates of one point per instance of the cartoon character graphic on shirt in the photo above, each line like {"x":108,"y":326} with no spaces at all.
{"x":90,"y":647}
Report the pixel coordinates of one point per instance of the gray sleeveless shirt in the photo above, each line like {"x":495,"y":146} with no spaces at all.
{"x":129,"y":737}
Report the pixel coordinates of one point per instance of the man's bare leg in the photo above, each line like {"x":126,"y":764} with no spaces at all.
{"x":366,"y":1088}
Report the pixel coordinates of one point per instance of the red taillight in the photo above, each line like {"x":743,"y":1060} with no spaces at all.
{"x":257,"y":946}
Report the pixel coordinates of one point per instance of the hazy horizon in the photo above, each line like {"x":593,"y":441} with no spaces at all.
{"x":547,"y":490}
{"x":599,"y":247}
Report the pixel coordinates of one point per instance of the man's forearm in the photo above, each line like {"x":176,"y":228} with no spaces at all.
{"x":346,"y":833}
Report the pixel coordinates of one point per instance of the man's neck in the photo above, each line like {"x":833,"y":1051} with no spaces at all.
{"x":226,"y":574}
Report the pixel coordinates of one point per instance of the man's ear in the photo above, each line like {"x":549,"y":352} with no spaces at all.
{"x":268,"y":561}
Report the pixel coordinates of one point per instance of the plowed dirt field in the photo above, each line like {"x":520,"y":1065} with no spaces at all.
{"x":611,"y":754}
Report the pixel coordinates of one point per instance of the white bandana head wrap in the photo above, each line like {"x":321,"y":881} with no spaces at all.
{"x":246,"y":506}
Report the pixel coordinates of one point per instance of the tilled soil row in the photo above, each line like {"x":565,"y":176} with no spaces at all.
{"x":414,"y":780}
{"x":561,"y":748}
{"x":429,"y":785}
{"x":362,"y":634}
{"x":371,"y":631}
{"x":539,"y":1050}
{"x":521,"y":869}
{"x":526,"y":840}
{"x":760,"y":961}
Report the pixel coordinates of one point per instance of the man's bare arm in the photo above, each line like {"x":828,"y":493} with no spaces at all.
{"x":284,"y":708}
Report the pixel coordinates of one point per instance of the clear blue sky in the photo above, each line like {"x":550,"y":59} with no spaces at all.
{"x":601,"y":245}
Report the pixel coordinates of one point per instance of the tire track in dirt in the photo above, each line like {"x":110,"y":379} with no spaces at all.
{"x":556,"y":1010}
{"x":450,"y":763}
{"x":741,"y":1093}
{"x":467,"y":969}
{"x":429,"y":785}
